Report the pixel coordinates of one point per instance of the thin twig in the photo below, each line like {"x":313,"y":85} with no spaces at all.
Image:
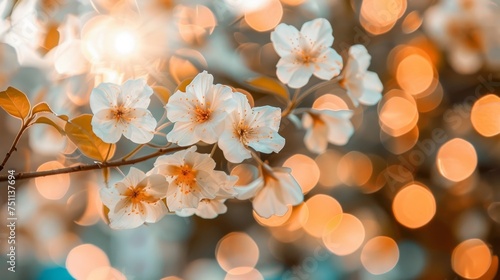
{"x":13,"y":146}
{"x":87,"y":167}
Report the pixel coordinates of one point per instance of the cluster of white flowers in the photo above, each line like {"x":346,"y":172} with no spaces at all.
{"x":186,"y":181}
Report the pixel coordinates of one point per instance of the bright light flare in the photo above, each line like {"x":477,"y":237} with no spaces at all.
{"x":125,"y":42}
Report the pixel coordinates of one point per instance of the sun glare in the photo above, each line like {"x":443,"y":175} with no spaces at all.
{"x":125,"y":42}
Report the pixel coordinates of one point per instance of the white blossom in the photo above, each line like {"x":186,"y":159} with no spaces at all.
{"x":191,"y":176}
{"x":362,"y":86}
{"x":272,"y":191}
{"x":326,"y":126}
{"x":135,"y":200}
{"x":122,"y":110}
{"x":305,"y":52}
{"x":199,"y":113}
{"x":248,"y":127}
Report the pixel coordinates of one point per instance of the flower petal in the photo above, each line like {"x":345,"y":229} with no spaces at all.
{"x":319,"y":33}
{"x":108,"y":130}
{"x":209,"y":209}
{"x":315,"y":137}
{"x":266,"y":203}
{"x":104,"y":96}
{"x":267,"y":116}
{"x":125,"y":219}
{"x":372,"y":89}
{"x":285,"y":39}
{"x":328,"y":65}
{"x":294,"y":74}
{"x":136,"y":94}
{"x":201,"y":85}
{"x":155,"y":211}
{"x":266,"y":140}
{"x":142,"y":126}
{"x":234,"y":151}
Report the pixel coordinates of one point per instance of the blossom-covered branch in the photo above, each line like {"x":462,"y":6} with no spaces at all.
{"x":94,"y":166}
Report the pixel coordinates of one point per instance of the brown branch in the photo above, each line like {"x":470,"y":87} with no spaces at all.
{"x":13,"y":147}
{"x":87,"y":167}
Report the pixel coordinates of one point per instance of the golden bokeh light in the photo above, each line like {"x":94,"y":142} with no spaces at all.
{"x":492,"y":271}
{"x":181,"y":64}
{"x":471,"y":259}
{"x":298,"y":218}
{"x":320,"y":209}
{"x":52,"y":187}
{"x":237,"y":249}
{"x":84,"y":259}
{"x":412,"y":22}
{"x":398,"y":113}
{"x":327,"y":162}
{"x":415,"y":74}
{"x":402,"y":143}
{"x":380,"y":255}
{"x":330,"y":102}
{"x":266,"y":17}
{"x":380,"y":16}
{"x":430,"y":98}
{"x":343,"y":234}
{"x":354,"y":169}
{"x":456,"y":159}
{"x":244,"y":273}
{"x":304,"y":170}
{"x":485,"y":115}
{"x":195,"y":23}
{"x":273,"y":221}
{"x":414,"y":206}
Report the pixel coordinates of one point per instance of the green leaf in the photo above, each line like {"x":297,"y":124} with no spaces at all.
{"x":15,"y":103}
{"x":79,"y":130}
{"x":182,"y":86}
{"x":41,"y":107}
{"x":270,"y":85}
{"x":162,"y":93}
{"x":45,"y":120}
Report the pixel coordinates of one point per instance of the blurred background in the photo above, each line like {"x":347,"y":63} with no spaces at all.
{"x":413,"y":195}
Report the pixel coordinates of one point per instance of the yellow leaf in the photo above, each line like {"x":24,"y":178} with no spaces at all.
{"x":63,"y":117}
{"x":79,"y":130}
{"x":182,"y":86}
{"x":162,"y":93}
{"x":45,"y":120}
{"x":41,"y":107}
{"x":15,"y":103}
{"x":270,"y":85}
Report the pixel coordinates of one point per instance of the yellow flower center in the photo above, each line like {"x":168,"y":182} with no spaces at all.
{"x":186,"y":176}
{"x":242,"y":131}
{"x":138,"y":194}
{"x":305,"y":57}
{"x":120,"y":114}
{"x":202,"y":115}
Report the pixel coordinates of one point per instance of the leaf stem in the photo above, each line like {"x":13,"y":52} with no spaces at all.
{"x":94,"y":166}
{"x":133,"y":152}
